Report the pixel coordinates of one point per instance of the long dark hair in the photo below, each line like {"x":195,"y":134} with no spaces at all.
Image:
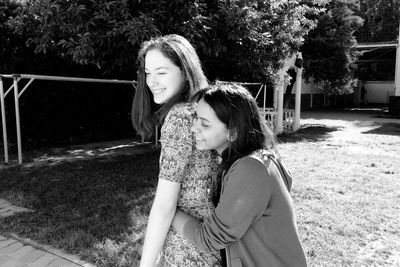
{"x":145,"y":112}
{"x":238,"y":110}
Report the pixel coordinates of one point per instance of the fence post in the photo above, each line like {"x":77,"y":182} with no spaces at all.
{"x":397,"y":67}
{"x":279,"y":122}
{"x":17,"y":119}
{"x":3,"y":120}
{"x":297,"y":105}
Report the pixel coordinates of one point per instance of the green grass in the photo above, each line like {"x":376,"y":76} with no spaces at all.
{"x":95,"y":208}
{"x":345,"y":191}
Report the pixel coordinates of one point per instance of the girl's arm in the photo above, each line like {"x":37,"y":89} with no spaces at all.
{"x":245,"y":197}
{"x":161,"y":215}
{"x":176,"y":151}
{"x":180,"y":219}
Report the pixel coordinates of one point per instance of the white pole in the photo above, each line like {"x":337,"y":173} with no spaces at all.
{"x":67,"y":79}
{"x":3,"y":120}
{"x":297,"y":105}
{"x":259,"y":90}
{"x":265,"y":95}
{"x":17,"y":120}
{"x":397,"y":69}
{"x":279,"y":123}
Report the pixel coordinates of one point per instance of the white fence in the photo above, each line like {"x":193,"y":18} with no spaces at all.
{"x":271,"y":116}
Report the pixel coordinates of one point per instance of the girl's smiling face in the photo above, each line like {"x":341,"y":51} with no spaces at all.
{"x":163,"y":77}
{"x":209,"y":131}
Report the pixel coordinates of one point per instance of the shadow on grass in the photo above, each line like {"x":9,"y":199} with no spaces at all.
{"x":105,"y":150}
{"x":386,"y":129}
{"x":372,"y":114}
{"x":79,"y":204}
{"x":308,"y":133}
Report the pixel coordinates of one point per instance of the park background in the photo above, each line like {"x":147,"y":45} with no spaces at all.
{"x":97,"y":209}
{"x":242,"y":41}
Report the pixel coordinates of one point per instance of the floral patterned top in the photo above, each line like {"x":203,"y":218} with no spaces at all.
{"x":196,"y":171}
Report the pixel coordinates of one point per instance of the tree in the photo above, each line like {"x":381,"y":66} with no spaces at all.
{"x":254,"y":37}
{"x":243,"y":40}
{"x":18,"y":57}
{"x":381,"y":20}
{"x":248,"y":38}
{"x":10,"y":45}
{"x":330,"y":49}
{"x":100,"y":33}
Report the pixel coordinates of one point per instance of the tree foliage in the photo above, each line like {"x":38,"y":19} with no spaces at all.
{"x":88,"y":32}
{"x":381,"y":20}
{"x":237,"y":40}
{"x":255,"y":36}
{"x":330,"y":49}
{"x":12,"y":47}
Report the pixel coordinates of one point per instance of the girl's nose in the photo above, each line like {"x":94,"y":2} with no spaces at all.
{"x":194,"y":127}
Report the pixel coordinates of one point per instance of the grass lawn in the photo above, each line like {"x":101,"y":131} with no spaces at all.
{"x":345,"y":191}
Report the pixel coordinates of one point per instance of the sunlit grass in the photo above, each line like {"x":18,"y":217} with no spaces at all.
{"x":346,"y":193}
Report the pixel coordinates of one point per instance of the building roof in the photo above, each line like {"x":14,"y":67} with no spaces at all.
{"x":392,"y":44}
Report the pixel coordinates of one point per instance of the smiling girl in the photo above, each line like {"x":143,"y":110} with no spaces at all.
{"x":169,"y":75}
{"x":254,"y":220}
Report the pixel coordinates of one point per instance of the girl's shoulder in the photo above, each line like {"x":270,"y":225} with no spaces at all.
{"x":268,"y":158}
{"x":264,"y":154}
{"x":253,"y":161}
{"x":260,"y":155}
{"x":257,"y":161}
{"x":181,"y":110}
{"x":177,"y":125}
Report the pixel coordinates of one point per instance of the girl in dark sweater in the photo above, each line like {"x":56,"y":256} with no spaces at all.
{"x":254,"y":221}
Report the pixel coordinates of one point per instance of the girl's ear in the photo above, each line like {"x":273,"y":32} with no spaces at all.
{"x":232,"y":135}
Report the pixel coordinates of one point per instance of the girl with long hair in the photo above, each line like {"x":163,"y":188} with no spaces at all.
{"x":169,"y":74}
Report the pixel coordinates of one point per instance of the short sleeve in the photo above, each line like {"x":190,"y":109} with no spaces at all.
{"x":176,"y":144}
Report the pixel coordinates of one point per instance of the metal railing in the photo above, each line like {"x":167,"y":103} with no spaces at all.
{"x":17,"y":94}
